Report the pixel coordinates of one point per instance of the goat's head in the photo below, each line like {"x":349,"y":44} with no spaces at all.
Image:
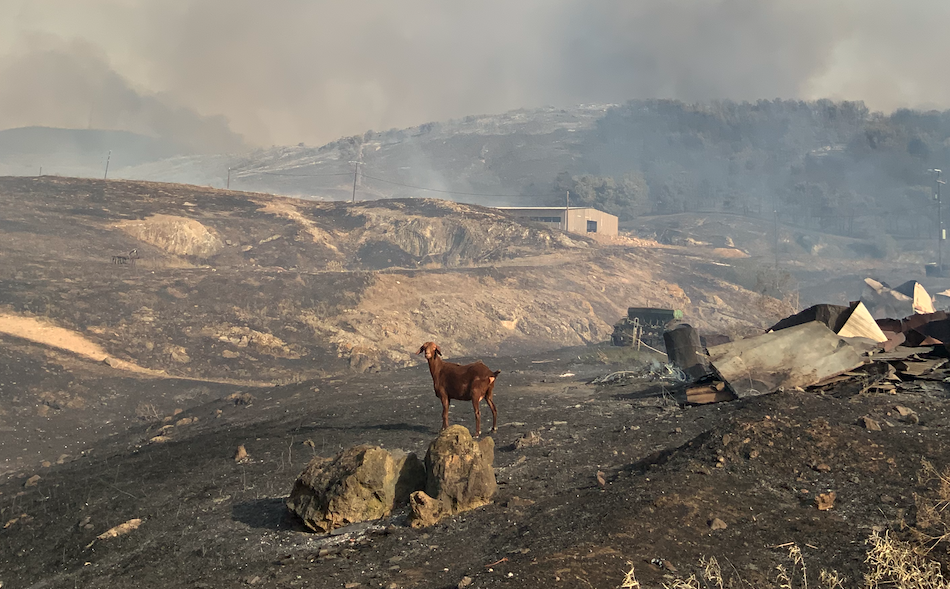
{"x":430,"y":349}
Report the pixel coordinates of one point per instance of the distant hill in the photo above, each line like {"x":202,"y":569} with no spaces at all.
{"x":77,"y":152}
{"x":830,"y":166}
{"x":834,"y":166}
{"x":484,"y":159}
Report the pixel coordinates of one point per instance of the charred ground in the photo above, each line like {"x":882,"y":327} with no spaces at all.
{"x":295,"y":349}
{"x":757,"y":465}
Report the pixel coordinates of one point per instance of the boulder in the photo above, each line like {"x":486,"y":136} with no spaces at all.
{"x":526,"y":441}
{"x":487,"y":446}
{"x":361,"y":483}
{"x":364,"y":359}
{"x":425,"y":511}
{"x":459,"y":475}
{"x":365,"y":482}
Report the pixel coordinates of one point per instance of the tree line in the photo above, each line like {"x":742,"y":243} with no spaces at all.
{"x":834,"y":165}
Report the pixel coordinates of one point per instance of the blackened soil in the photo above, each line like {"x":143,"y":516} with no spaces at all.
{"x":755,"y":464}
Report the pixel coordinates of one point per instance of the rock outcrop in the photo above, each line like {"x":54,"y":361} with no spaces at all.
{"x":366,"y":482}
{"x":459,"y":476}
{"x":361,"y":483}
{"x":176,"y":235}
{"x":425,"y":511}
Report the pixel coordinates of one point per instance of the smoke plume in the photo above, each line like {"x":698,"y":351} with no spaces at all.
{"x":208,"y":71}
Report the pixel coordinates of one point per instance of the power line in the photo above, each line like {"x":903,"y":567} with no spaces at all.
{"x":455,"y":192}
{"x":251,"y":173}
{"x":363,"y":174}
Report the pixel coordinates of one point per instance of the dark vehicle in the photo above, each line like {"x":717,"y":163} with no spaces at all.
{"x":645,"y":324}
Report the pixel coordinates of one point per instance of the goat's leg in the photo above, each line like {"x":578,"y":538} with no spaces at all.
{"x":478,"y":415}
{"x":494,"y":412}
{"x":445,"y":410}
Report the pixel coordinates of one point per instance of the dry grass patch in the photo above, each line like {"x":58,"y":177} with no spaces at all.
{"x":897,"y":565}
{"x":891,"y":564}
{"x":933,"y":515}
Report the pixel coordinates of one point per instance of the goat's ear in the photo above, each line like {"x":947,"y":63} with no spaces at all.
{"x":438,"y":351}
{"x":421,"y":349}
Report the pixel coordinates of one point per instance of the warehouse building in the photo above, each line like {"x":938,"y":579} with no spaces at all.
{"x":581,"y":220}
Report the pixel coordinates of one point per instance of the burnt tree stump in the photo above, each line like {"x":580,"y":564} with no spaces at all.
{"x":686,"y":352}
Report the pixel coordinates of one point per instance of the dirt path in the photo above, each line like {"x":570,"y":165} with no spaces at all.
{"x":282,"y":208}
{"x":44,"y":333}
{"x":47,"y":334}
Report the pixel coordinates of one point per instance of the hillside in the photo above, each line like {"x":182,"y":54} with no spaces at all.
{"x":227,"y":278}
{"x":833,"y":166}
{"x":817,"y":266}
{"x":477,"y":159}
{"x":680,"y":486}
{"x":249,"y":289}
{"x":289,"y":327}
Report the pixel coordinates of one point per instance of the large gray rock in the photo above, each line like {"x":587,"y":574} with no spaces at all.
{"x":459,"y":476}
{"x":361,"y":483}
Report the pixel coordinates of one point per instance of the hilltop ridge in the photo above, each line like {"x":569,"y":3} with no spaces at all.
{"x":225,"y":279}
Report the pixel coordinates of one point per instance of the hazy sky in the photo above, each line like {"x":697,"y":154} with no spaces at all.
{"x":209,"y":72}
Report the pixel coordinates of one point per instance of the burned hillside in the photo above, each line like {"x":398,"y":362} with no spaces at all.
{"x":156,"y":414}
{"x":240,"y":286}
{"x":830,"y":166}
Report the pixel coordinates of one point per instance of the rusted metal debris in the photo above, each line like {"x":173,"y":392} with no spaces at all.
{"x":921,"y":300}
{"x":853,"y":321}
{"x":905,"y":300}
{"x":826,"y":345}
{"x":798,"y":356}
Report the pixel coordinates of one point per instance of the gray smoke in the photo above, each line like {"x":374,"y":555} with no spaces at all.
{"x":70,"y":84}
{"x":288,"y":71}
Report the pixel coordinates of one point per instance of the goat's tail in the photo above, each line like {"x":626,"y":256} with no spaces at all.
{"x":496,"y":373}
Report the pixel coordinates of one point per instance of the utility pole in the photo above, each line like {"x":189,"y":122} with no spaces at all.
{"x":356,"y":173}
{"x":941,"y":232}
{"x":108,"y":157}
{"x":229,"y":177}
{"x":775,"y":246}
{"x":356,"y":170}
{"x":567,"y":210}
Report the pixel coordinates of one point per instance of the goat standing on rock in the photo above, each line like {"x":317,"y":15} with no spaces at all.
{"x":472,"y":382}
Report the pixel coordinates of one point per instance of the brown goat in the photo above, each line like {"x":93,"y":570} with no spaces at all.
{"x":128,"y":259}
{"x":471,"y":382}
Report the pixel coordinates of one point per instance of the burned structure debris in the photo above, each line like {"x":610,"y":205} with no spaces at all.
{"x":889,"y":339}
